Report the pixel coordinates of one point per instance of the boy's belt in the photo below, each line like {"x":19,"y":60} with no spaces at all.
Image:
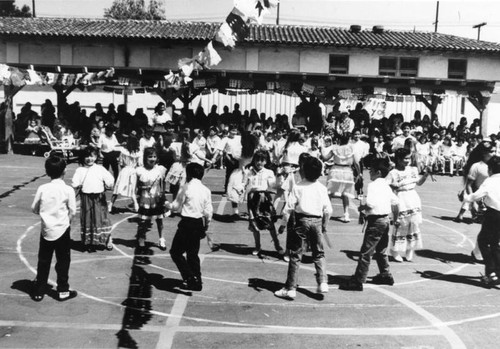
{"x":376,"y":216}
{"x":301,"y":215}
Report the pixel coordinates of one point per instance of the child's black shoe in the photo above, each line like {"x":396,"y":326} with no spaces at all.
{"x":194,"y":284}
{"x":351,"y":285}
{"x":383,"y":279}
{"x":489,"y":281}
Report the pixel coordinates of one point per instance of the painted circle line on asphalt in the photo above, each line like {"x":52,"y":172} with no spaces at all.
{"x":435,"y":323}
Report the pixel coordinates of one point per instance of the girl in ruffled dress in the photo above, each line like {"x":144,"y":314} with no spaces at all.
{"x":185,"y":152}
{"x":151,"y":191}
{"x":340,"y":182}
{"x":403,"y":179}
{"x":130,"y":158}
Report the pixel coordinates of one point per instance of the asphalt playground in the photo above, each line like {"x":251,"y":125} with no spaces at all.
{"x":437,"y":301}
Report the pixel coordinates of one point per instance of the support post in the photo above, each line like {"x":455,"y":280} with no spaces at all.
{"x":7,"y":115}
{"x":62,"y":95}
{"x":480,"y":103}
{"x":432,"y":105}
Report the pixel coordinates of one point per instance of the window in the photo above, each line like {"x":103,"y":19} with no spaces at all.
{"x":408,"y":66}
{"x":398,"y":66}
{"x":388,"y":66}
{"x":457,"y":69}
{"x":339,"y":64}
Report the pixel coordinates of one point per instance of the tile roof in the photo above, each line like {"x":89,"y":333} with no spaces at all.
{"x":262,"y":34}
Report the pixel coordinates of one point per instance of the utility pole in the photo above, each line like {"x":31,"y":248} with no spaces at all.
{"x":33,"y":9}
{"x":437,"y":18}
{"x":478,"y":26}
{"x":278,"y":14}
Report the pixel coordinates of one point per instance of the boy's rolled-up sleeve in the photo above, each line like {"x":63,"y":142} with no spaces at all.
{"x":35,"y":206}
{"x":71,"y":201}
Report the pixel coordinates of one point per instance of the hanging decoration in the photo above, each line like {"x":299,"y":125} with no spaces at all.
{"x":235,"y":28}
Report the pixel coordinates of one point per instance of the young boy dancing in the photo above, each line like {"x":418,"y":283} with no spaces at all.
{"x":194,"y":203}
{"x":55,"y":202}
{"x":380,"y":202}
{"x":489,"y":236}
{"x":311,"y":204}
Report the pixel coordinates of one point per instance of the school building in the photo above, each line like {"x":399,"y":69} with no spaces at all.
{"x":110,"y":61}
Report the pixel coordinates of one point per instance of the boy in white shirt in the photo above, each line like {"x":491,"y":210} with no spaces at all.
{"x":380,"y":202}
{"x":194,"y":203}
{"x":311,"y":204}
{"x":489,"y":236}
{"x":55,"y":202}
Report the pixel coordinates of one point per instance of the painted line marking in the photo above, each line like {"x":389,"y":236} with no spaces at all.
{"x":450,"y":335}
{"x":166,"y":339}
{"x":313,"y":330}
{"x":222,"y":206}
{"x":250,"y":330}
{"x":75,"y":326}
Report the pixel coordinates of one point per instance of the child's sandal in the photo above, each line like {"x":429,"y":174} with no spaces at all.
{"x":162,"y":244}
{"x":109,"y":244}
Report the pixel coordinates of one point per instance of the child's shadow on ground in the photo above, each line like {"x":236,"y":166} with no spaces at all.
{"x":28,"y":287}
{"x":25,"y":286}
{"x":224,"y":218}
{"x":167,"y":284}
{"x":338,"y":219}
{"x":236,"y":248}
{"x":77,"y":246}
{"x":460,"y":279}
{"x":119,"y":210}
{"x":338,"y":279}
{"x":446,"y":257}
{"x":127,"y":243}
{"x":260,"y":284}
{"x":447,"y":218}
{"x":353,"y":255}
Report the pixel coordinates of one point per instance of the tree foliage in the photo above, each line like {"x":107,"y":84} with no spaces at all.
{"x":9,"y":9}
{"x":136,"y":9}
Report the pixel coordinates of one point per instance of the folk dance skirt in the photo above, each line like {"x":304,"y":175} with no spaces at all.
{"x":126,"y":182}
{"x":340,"y":181}
{"x":407,"y":236}
{"x":94,"y":222}
{"x":177,"y":173}
{"x":260,"y":204}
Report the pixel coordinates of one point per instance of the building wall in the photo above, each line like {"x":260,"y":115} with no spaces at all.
{"x":284,"y":59}
{"x":363,"y":64}
{"x":168,"y":57}
{"x":279,"y":59}
{"x":274,"y":59}
{"x":91,"y":55}
{"x":39,"y":52}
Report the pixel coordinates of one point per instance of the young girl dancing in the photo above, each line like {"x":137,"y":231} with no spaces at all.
{"x":403,"y":179}
{"x":91,"y":181}
{"x":130,"y":158}
{"x":151,"y":189}
{"x":261,"y":212}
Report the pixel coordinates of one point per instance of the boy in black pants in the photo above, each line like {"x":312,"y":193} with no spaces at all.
{"x":194,"y":203}
{"x":55,"y":202}
{"x":380,"y":201}
{"x":489,"y":236}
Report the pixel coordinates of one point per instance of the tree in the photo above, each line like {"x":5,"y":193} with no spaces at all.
{"x":9,"y":9}
{"x":136,"y":9}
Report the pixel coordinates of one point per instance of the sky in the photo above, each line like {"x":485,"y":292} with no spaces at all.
{"x":456,"y":17}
